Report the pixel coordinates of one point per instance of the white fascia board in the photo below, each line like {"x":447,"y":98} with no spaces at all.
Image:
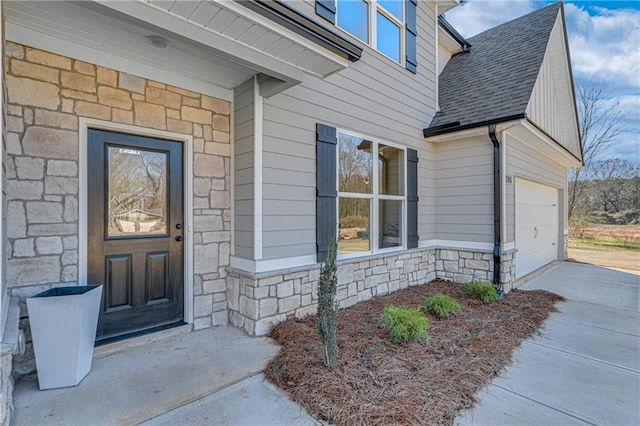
{"x":462,"y":134}
{"x":553,"y":149}
{"x":468,"y":133}
{"x":444,"y":5}
{"x":445,"y":40}
{"x":285,"y":32}
{"x":225,"y":47}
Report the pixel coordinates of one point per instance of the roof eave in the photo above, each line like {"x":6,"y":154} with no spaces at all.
{"x":448,"y":28}
{"x":573,"y":89}
{"x":287,"y":16}
{"x":455,"y":126}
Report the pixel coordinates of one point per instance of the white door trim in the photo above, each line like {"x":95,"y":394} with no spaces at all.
{"x":187,"y":141}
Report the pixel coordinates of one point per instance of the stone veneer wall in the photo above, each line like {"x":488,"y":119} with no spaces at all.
{"x":464,"y":266}
{"x":47,"y":94}
{"x":258,"y":301}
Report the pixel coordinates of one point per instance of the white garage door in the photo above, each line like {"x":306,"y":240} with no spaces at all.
{"x":536,"y":226}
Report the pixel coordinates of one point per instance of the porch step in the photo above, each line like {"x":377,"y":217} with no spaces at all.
{"x":133,"y":381}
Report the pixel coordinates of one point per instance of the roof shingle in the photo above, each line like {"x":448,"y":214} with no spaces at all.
{"x":496,"y":78}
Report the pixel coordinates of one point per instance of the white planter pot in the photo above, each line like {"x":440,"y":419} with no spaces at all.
{"x":63,"y":326}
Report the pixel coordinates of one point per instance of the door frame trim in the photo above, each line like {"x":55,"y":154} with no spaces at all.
{"x":187,"y":141}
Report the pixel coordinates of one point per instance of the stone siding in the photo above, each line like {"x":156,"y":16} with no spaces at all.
{"x":463,"y":266}
{"x":47,"y":94}
{"x":256,"y":302}
{"x":259,"y":301}
{"x":6,"y":388}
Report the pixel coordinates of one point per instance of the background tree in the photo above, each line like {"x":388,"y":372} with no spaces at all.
{"x":599,"y":127}
{"x":614,"y":185}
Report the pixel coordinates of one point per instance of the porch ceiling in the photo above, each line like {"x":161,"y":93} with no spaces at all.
{"x":219,"y":43}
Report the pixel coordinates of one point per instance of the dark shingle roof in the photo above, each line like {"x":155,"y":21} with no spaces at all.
{"x":495,"y":79}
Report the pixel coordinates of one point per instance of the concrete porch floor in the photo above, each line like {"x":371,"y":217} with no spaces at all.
{"x":213,"y":372}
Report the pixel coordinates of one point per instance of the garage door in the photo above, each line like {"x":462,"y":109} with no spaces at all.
{"x":536,"y":226}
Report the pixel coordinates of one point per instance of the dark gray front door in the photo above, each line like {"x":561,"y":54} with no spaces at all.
{"x":135,"y":225}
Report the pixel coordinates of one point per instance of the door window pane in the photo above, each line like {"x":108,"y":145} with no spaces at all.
{"x":388,"y":37}
{"x":353,"y":18}
{"x":353,"y":236}
{"x":394,"y":7}
{"x":137,"y":194}
{"x":390,"y":230}
{"x":355,"y":168}
{"x":390,"y":170}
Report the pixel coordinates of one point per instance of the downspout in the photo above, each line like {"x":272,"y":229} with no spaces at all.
{"x":497,"y":207}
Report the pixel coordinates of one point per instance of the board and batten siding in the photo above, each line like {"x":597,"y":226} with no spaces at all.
{"x":528,"y":163}
{"x":243,"y":169}
{"x":543,"y":105}
{"x":464,"y":190}
{"x":374,"y":96}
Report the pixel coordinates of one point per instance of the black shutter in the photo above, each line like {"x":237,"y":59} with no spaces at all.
{"x":411,"y":31}
{"x":326,"y":184}
{"x":412,"y":198}
{"x":327,"y":9}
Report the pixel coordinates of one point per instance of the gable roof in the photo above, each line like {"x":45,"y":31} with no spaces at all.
{"x":493,"y":82}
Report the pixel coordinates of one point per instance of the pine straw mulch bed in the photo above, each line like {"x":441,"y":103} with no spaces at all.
{"x":379,"y":382}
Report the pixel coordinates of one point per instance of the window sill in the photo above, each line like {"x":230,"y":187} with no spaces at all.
{"x":368,"y":255}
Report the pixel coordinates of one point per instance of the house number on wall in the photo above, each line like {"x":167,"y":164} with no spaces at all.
{"x":509,"y":178}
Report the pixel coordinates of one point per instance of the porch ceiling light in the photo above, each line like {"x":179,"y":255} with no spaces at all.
{"x":158,"y":41}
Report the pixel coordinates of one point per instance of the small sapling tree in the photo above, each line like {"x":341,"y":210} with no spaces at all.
{"x":328,"y":308}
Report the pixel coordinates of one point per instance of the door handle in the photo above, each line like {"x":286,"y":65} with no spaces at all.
{"x":179,"y":238}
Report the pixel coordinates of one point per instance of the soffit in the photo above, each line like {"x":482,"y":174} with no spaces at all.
{"x":249,"y":28}
{"x":215,"y":43}
{"x":448,"y":42}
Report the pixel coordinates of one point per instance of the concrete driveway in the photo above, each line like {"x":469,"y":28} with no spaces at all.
{"x":584,"y":368}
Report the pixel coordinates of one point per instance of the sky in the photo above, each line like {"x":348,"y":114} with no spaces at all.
{"x":604,"y":41}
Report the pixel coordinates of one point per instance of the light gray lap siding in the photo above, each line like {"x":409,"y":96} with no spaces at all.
{"x":375,"y":97}
{"x":464,"y":190}
{"x":243,"y":169}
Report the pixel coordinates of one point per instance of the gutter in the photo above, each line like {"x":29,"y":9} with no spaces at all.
{"x":497,"y":206}
{"x":464,"y":44}
{"x":285,"y":15}
{"x":455,"y":126}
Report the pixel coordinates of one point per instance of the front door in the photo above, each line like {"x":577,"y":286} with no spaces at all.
{"x":135,"y":231}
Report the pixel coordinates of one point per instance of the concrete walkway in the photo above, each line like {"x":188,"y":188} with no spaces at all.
{"x":584,"y":368}
{"x":174,"y":377}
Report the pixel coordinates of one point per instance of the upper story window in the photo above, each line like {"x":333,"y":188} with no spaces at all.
{"x":379,"y":23}
{"x":371,"y":195}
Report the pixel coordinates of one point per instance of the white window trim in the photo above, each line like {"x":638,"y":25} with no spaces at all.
{"x":374,"y":197}
{"x":187,"y":140}
{"x":372,"y":28}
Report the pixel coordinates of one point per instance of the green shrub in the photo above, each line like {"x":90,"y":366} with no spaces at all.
{"x":405,"y":324}
{"x":441,"y":305}
{"x":486,"y":292}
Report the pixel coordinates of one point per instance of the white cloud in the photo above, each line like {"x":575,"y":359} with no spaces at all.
{"x":474,"y":17}
{"x":605,"y":47}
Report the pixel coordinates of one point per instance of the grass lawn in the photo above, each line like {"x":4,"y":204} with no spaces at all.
{"x":379,"y":382}
{"x":604,"y":243}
